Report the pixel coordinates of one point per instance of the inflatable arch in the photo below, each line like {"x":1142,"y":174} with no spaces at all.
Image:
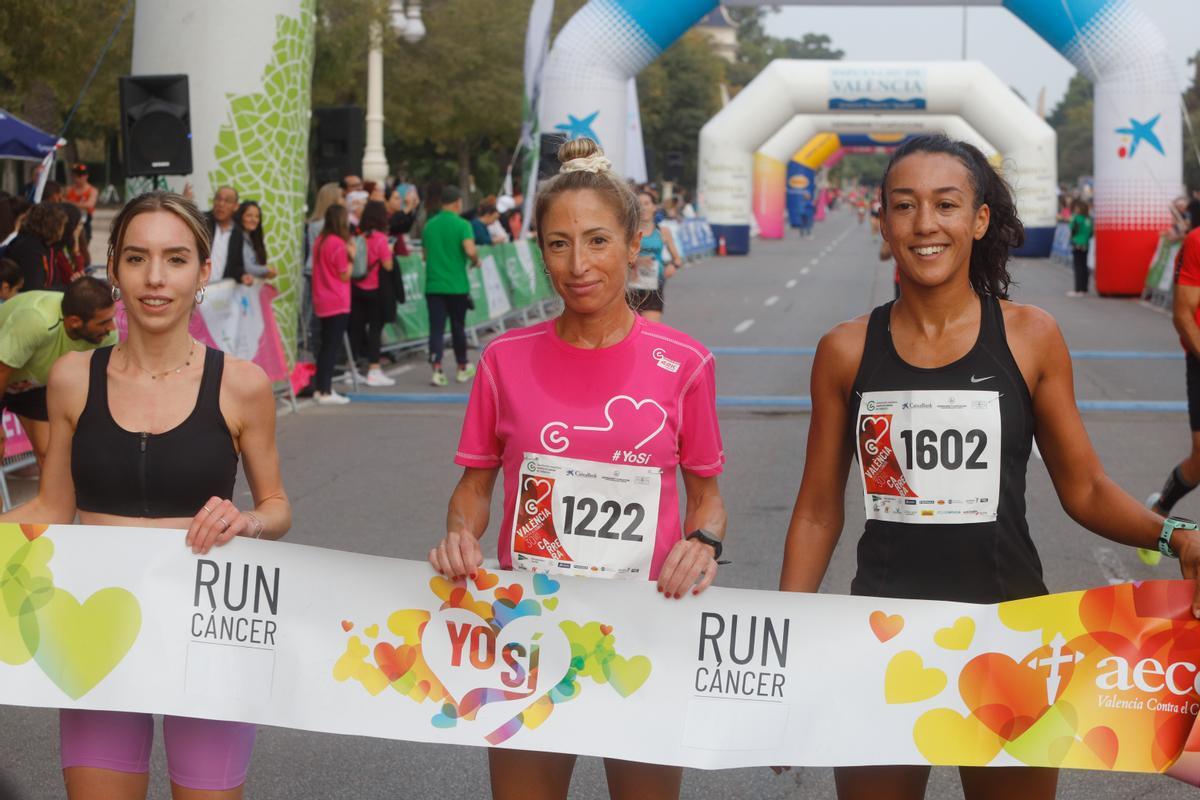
{"x":773,"y":173}
{"x":1138,"y":127}
{"x":787,"y":88}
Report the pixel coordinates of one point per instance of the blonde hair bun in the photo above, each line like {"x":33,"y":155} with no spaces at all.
{"x":578,"y":148}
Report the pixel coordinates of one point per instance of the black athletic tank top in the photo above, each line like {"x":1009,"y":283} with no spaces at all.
{"x":170,"y":474}
{"x":942,"y":455}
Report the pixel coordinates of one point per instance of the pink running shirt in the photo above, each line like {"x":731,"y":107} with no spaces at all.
{"x":647,"y":401}
{"x":331,"y":294}
{"x":378,"y":251}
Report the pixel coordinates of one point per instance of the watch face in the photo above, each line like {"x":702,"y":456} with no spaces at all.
{"x":1183,"y":520}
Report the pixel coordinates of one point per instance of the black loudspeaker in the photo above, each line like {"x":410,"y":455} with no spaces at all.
{"x":338,"y":142}
{"x":156,"y":125}
{"x":548,"y":155}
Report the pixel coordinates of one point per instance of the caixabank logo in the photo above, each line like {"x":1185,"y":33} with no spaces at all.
{"x":1112,"y":685}
{"x":489,"y":644}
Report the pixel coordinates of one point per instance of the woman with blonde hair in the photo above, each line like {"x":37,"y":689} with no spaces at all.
{"x":148,"y":434}
{"x":546,"y":387}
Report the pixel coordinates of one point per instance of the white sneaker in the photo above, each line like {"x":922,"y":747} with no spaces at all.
{"x":376,"y":378}
{"x":331,"y":399}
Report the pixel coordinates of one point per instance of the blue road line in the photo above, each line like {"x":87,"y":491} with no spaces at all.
{"x":1078,"y":355}
{"x":795,"y":402}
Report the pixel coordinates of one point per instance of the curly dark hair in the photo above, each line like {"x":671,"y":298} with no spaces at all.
{"x":989,"y":255}
{"x":45,"y":221}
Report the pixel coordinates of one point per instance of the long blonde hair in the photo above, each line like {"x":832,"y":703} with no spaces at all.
{"x":328,"y":195}
{"x":171,"y":202}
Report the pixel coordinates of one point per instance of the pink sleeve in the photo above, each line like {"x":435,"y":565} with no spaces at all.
{"x":700,"y":449}
{"x":378,"y":251}
{"x":333,"y":255}
{"x":480,"y":446}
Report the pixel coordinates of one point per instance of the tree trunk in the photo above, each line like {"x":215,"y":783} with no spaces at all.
{"x":464,"y":169}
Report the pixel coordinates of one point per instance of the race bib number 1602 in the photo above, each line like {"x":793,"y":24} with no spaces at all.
{"x":930,"y":456}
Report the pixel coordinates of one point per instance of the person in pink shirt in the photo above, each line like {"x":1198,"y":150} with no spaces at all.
{"x":332,"y":264}
{"x":366,"y":304}
{"x":591,"y":417}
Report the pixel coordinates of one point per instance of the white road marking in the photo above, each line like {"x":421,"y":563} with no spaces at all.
{"x":743,"y":326}
{"x":772,"y":300}
{"x":792,"y":283}
{"x":804,"y":271}
{"x":816,"y":261}
{"x":1110,"y":564}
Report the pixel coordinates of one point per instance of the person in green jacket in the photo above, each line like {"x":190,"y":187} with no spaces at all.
{"x":448,"y":242}
{"x":1081,"y":237}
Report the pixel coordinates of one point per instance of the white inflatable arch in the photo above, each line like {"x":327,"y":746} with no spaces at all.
{"x":787,"y":88}
{"x":1137,"y":122}
{"x":771,"y":161}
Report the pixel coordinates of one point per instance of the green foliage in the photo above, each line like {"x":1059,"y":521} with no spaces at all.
{"x":1072,"y":121}
{"x":865,"y":168}
{"x":678,"y":93}
{"x":757,"y":49}
{"x":47,"y":48}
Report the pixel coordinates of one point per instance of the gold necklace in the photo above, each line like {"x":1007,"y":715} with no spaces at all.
{"x":156,"y":375}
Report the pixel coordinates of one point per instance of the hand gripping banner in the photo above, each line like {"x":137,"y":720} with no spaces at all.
{"x":301,"y":637}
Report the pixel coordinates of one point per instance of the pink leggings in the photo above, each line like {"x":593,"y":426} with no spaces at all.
{"x":201,"y":753}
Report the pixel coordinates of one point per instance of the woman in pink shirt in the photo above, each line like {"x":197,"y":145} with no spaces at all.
{"x":366,"y":303}
{"x":590,"y":416}
{"x":332,"y":264}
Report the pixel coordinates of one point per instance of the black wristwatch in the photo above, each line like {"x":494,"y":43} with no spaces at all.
{"x":707,"y":538}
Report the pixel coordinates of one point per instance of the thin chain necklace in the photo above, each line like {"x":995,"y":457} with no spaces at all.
{"x":156,"y":375}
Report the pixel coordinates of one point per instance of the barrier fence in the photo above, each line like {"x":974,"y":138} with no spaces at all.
{"x":1160,"y":279}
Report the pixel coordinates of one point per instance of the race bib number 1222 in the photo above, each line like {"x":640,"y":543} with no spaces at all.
{"x":930,"y":456}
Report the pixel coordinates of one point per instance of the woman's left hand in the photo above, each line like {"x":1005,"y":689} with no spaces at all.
{"x":690,"y":566}
{"x":215,"y":524}
{"x":1187,"y":545}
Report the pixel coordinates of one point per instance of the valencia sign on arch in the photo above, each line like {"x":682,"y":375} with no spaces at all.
{"x":1112,"y":42}
{"x":787,"y":88}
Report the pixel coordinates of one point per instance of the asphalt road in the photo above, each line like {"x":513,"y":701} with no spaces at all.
{"x":374,"y":478}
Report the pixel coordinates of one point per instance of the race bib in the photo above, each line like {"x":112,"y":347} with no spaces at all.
{"x":930,"y":457}
{"x":645,"y":273}
{"x":585,"y":517}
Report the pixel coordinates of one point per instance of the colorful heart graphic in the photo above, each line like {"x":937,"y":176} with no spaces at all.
{"x":371,"y":631}
{"x":485,"y":580}
{"x":503,"y":613}
{"x":958,"y":636}
{"x":347,"y":625}
{"x":1103,"y":742}
{"x":544,"y":584}
{"x":626,"y":675}
{"x":1006,"y":696}
{"x":550,"y":603}
{"x":884,"y":626}
{"x":78,"y":645}
{"x":878,"y":426}
{"x":606,"y":629}
{"x":511,"y":594}
{"x":907,"y":679}
{"x":395,"y":661}
{"x":946,"y":737}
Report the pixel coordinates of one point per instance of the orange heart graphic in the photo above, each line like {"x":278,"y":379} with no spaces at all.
{"x":33,"y":531}
{"x":1006,"y":696}
{"x":512,"y":594}
{"x":606,"y":629}
{"x":347,"y":625}
{"x":1103,"y":742}
{"x":395,"y":662}
{"x":485,"y":580}
{"x":884,"y":626}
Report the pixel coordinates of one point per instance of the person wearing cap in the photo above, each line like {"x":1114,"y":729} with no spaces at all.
{"x":83,"y":196}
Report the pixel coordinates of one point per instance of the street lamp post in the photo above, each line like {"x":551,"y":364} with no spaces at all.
{"x":410,"y":26}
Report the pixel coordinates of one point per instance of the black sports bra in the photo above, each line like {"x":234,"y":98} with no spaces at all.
{"x":170,"y":474}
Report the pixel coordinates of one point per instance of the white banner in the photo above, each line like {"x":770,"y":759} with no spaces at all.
{"x":295,"y":636}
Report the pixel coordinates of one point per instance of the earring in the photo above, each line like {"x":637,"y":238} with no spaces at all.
{"x":200,"y":294}
{"x":116,"y":293}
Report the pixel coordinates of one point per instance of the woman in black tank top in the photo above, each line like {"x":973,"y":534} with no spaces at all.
{"x":148,"y":434}
{"x":933,"y":401}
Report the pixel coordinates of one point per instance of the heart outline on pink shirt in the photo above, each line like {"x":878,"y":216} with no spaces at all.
{"x":557,"y":442}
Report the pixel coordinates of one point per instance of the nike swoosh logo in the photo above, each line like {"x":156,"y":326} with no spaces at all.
{"x":981,"y":380}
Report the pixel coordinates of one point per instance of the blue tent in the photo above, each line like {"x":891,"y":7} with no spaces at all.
{"x":19,"y":139}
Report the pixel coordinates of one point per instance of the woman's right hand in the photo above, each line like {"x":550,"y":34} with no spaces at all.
{"x":457,"y":556}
